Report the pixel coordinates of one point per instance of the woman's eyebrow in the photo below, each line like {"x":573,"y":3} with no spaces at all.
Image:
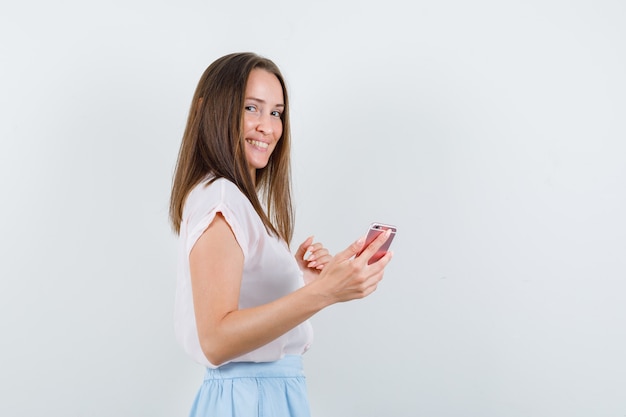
{"x":258,"y":100}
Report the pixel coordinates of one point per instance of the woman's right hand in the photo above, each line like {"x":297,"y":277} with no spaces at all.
{"x":348,"y":277}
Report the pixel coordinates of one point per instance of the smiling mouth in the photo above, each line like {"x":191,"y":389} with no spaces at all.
{"x":258,"y":144}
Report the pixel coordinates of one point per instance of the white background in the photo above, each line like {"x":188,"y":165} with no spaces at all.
{"x":492,"y":133}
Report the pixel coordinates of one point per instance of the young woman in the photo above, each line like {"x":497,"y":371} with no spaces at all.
{"x":242,"y":300}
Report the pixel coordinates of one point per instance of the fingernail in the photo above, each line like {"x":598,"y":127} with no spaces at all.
{"x":312,"y":264}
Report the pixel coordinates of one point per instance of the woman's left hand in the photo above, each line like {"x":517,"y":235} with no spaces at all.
{"x":313,"y":264}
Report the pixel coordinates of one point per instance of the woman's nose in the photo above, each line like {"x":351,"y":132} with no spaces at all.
{"x":265,"y":125}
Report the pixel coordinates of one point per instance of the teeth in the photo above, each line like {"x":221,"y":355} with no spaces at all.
{"x":258,"y":144}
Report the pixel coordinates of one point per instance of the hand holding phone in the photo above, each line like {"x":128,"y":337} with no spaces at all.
{"x":373,"y":232}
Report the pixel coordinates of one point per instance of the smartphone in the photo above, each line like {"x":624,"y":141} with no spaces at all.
{"x":376,"y":229}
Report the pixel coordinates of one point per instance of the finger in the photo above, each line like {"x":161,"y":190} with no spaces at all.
{"x":374,"y":278}
{"x":323,"y":257}
{"x":379,"y":265}
{"x":302,"y":249}
{"x":320,"y":260}
{"x":371,"y":249}
{"x":373,"y":285}
{"x":313,"y":248}
{"x":317,"y":254}
{"x":368,"y":286}
{"x":351,"y":250}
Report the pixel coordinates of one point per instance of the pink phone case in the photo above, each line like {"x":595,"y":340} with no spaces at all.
{"x":373,"y":232}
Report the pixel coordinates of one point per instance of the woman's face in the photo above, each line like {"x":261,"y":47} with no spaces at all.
{"x":262,"y":123}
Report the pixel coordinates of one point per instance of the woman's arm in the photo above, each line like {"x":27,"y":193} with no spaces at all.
{"x":216,"y":263}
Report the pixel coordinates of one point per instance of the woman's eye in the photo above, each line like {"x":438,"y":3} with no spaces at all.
{"x":276,"y":113}
{"x":250,"y":108}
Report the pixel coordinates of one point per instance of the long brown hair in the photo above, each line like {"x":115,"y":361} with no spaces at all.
{"x":213,"y":144}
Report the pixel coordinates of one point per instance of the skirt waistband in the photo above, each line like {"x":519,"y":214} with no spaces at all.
{"x":288,"y":367}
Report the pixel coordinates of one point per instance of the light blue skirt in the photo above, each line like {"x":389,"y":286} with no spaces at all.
{"x":249,"y":389}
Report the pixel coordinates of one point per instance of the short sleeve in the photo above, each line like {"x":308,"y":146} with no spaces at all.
{"x":221,"y":197}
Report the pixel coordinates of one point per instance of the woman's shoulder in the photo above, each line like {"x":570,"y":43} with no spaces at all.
{"x":217,"y":191}
{"x":221,"y":195}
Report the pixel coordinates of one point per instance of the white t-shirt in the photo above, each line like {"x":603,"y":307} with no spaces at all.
{"x":270,"y":271}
